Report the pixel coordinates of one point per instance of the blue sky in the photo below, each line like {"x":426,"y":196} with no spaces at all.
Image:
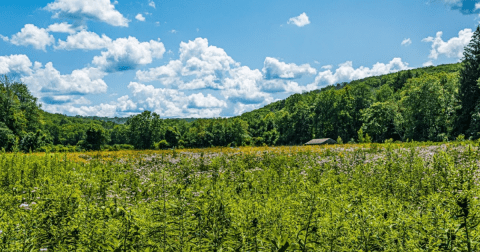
{"x":216,"y":58}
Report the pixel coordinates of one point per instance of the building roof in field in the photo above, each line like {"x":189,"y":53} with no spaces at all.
{"x":321,"y":141}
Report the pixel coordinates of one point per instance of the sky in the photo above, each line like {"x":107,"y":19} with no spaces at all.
{"x":216,"y":58}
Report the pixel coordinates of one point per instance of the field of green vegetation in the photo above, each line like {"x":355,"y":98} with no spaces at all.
{"x":372,"y":197}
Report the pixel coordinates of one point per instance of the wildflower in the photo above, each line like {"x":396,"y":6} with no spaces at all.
{"x":43,"y":249}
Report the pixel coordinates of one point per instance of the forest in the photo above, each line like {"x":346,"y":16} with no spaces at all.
{"x":436,"y":103}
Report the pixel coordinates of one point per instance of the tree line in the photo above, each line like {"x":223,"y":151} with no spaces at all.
{"x":438,"y":103}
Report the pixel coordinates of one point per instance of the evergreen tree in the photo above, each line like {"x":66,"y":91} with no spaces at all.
{"x":469,"y":91}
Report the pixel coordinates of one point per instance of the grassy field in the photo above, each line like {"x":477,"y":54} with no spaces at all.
{"x":376,"y":197}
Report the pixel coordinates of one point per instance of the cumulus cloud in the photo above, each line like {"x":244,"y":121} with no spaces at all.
{"x":30,"y":35}
{"x":15,"y":64}
{"x":71,"y":108}
{"x":45,"y":81}
{"x":100,"y":10}
{"x":277,"y":86}
{"x":123,"y":106}
{"x":453,"y":48}
{"x":428,"y":63}
{"x":299,"y":21}
{"x":274,"y":69}
{"x":243,"y":86}
{"x":203,"y":59}
{"x":203,"y":66}
{"x":166,"y":74}
{"x":199,"y":66}
{"x":84,"y":40}
{"x":151,"y":4}
{"x":406,"y":42}
{"x":201,"y":101}
{"x":63,"y":28}
{"x":346,"y":72}
{"x":173,"y":103}
{"x":128,"y":53}
{"x":140,"y":17}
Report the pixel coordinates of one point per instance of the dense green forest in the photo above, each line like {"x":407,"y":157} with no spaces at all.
{"x":426,"y":104}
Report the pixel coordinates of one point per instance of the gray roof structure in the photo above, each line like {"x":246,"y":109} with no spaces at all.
{"x":321,"y":141}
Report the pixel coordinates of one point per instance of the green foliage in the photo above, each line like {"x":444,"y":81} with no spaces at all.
{"x":379,"y":120}
{"x":7,"y":138}
{"x":96,"y":137}
{"x":339,"y":140}
{"x":469,"y":91}
{"x":33,"y":141}
{"x":163,"y":144}
{"x":172,"y":136}
{"x":427,"y":107}
{"x":143,"y":129}
{"x":392,"y":197}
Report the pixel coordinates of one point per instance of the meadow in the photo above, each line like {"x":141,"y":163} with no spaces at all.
{"x":371,"y":197}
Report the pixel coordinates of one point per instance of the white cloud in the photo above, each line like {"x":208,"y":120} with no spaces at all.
{"x":84,"y":40}
{"x":453,"y":48}
{"x":45,"y":81}
{"x":274,"y":69}
{"x":299,"y":21}
{"x":428,"y":63}
{"x":201,"y":101}
{"x":63,"y":28}
{"x":152,"y":4}
{"x":201,"y":59}
{"x":166,"y":75}
{"x":128,"y":53}
{"x":243,"y":86}
{"x":125,"y":104}
{"x":101,"y":10}
{"x":199,"y":66}
{"x":346,"y":72}
{"x":241,"y":108}
{"x":327,"y":67}
{"x":171,"y":102}
{"x":276,"y":86}
{"x":107,"y":110}
{"x":406,"y":42}
{"x":173,"y":31}
{"x":39,"y":38}
{"x":15,"y":64}
{"x":140,"y":17}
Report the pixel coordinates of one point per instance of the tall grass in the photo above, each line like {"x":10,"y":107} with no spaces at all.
{"x":391,"y":197}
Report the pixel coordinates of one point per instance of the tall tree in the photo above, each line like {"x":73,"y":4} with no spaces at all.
{"x":96,"y":137}
{"x":142,"y":129}
{"x":469,"y":91}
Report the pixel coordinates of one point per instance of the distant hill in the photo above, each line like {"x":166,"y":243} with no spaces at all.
{"x":278,"y":105}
